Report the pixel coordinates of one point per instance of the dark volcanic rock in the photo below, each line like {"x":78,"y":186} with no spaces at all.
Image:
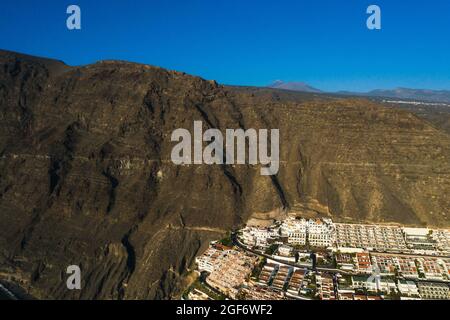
{"x":86,"y":176}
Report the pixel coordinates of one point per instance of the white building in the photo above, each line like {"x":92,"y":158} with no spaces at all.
{"x":442,"y":239}
{"x":362,"y":282}
{"x":419,"y":240}
{"x":208,"y":260}
{"x":295,"y":230}
{"x":285,"y":250}
{"x":371,"y":237}
{"x":434,"y":290}
{"x":321,"y":233}
{"x":386,"y":285}
{"x":316,"y":232}
{"x":259,"y":237}
{"x":408,"y":288}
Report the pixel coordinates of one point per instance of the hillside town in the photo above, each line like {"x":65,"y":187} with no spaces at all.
{"x":309,"y":259}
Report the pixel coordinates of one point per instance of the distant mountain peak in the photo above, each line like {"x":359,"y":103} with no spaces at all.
{"x":294,"y":86}
{"x":276,"y":83}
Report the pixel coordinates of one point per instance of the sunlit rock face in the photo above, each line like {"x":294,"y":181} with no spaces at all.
{"x":86,"y":175}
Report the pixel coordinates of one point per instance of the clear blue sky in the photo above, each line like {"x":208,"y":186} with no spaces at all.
{"x":247,"y":42}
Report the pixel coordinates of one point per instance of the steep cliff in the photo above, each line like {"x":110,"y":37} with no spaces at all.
{"x":86,"y":176}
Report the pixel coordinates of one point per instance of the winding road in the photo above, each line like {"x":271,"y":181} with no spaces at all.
{"x":292,"y":264}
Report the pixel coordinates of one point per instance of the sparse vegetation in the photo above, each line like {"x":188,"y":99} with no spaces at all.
{"x":272,"y":249}
{"x":227,"y":241}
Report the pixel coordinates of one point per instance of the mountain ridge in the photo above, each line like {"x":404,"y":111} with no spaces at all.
{"x":429,"y":95}
{"x":87,"y":177}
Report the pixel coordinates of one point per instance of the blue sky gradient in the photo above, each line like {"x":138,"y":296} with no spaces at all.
{"x":247,"y":42}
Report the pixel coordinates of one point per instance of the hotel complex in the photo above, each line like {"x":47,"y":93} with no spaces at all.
{"x":300,"y":258}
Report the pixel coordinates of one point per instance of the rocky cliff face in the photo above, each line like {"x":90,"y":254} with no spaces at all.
{"x":86,"y":176}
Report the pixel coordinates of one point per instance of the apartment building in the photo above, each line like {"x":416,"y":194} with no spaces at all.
{"x":256,"y":292}
{"x":370,"y":237}
{"x":408,"y":288}
{"x":325,"y":287}
{"x":406,"y":266}
{"x":295,"y":231}
{"x":362,"y":282}
{"x":363,"y":264}
{"x":373,"y":284}
{"x":285,"y":251}
{"x":198,"y":295}
{"x":281,"y":277}
{"x":296,"y":282}
{"x":434,"y":290}
{"x":209,"y":259}
{"x":387,"y":285}
{"x":321,"y":233}
{"x":384,"y":264}
{"x":419,"y":240}
{"x":259,"y":237}
{"x":231,"y":271}
{"x":442,"y":240}
{"x":432,"y":268}
{"x":345,"y":261}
